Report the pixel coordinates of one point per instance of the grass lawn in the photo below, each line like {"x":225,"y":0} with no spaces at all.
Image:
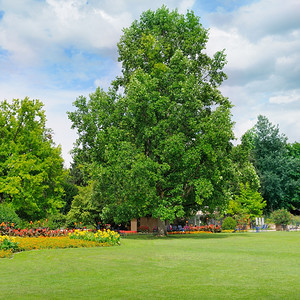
{"x":263,"y":265}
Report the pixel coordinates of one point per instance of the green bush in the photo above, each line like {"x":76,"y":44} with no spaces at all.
{"x":281,"y":217}
{"x":8,"y":243}
{"x":56,"y":221}
{"x":229,"y":224}
{"x":8,"y":214}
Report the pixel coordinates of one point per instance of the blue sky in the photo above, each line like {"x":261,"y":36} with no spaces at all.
{"x":57,"y":50}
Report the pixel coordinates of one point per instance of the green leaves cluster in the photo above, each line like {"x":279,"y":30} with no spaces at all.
{"x":31,"y":167}
{"x":281,"y":217}
{"x":247,"y":204}
{"x":277,"y":164}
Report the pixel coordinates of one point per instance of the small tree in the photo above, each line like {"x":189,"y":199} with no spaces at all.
{"x":281,"y":217}
{"x":83,"y":209}
{"x":247,"y":204}
{"x":229,"y":224}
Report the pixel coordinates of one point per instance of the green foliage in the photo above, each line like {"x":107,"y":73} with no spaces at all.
{"x":55,"y":221}
{"x":244,"y":170}
{"x":248,"y":203}
{"x":277,"y":165}
{"x":229,"y":224}
{"x":8,"y":243}
{"x":8,"y":214}
{"x":294,"y":150}
{"x":281,"y":217}
{"x":70,"y":191}
{"x":30,"y":165}
{"x":162,"y":147}
{"x":83,"y":209}
{"x":296,"y":220}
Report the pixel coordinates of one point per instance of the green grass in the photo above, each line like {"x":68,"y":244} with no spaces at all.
{"x":262,"y":265}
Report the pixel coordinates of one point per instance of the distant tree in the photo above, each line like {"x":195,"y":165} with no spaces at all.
{"x":163,"y":146}
{"x":31,"y":166}
{"x":244,"y":170}
{"x":248,"y":204}
{"x":294,"y":150}
{"x":70,"y":191}
{"x":278,"y":171}
{"x":83,"y":209}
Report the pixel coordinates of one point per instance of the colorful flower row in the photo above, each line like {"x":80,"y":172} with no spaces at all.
{"x":189,"y":232}
{"x":28,"y":243}
{"x":6,"y":229}
{"x":6,"y":253}
{"x":101,"y":236}
{"x":9,"y":244}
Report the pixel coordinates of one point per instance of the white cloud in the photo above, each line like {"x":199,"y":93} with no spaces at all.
{"x":56,"y":50}
{"x":55,"y":47}
{"x":262,"y":42}
{"x":291,"y":96}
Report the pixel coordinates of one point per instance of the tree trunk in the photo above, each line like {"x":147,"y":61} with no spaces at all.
{"x":161,"y":227}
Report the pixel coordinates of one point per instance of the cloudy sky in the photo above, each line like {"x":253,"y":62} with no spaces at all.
{"x":57,"y":50}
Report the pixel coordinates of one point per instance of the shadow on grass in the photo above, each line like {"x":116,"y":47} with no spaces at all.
{"x":202,"y":236}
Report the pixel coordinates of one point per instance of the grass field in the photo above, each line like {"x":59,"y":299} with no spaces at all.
{"x":262,"y":265}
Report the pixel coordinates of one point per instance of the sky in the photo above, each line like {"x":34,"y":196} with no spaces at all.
{"x":58,"y":50}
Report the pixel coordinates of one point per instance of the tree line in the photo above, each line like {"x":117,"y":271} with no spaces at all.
{"x":158,"y":143}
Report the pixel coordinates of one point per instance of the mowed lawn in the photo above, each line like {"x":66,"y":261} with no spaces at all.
{"x":262,"y":265}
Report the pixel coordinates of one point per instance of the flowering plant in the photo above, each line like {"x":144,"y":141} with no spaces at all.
{"x":8,"y":243}
{"x":101,"y":236}
{"x":144,"y":228}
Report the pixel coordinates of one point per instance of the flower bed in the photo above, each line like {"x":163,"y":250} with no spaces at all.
{"x":69,"y":239}
{"x":128,"y":232}
{"x":6,"y":253}
{"x":8,"y":229}
{"x":105,"y":236}
{"x":190,"y":232}
{"x":197,"y":229}
{"x":27,"y":243}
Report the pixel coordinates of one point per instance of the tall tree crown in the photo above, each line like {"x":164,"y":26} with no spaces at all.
{"x":163,"y":146}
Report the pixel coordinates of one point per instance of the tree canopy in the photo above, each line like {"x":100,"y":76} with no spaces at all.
{"x":158,"y":142}
{"x":31,"y":166}
{"x":277,"y":165}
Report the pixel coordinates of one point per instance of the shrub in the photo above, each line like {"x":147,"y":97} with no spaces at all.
{"x":229,"y":224}
{"x":144,"y":228}
{"x":56,"y":221}
{"x":8,"y":243}
{"x":281,"y":217}
{"x":8,"y":214}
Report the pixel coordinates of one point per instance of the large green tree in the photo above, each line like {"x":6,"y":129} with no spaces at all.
{"x":277,"y":165}
{"x":31,"y":166}
{"x":159,"y":141}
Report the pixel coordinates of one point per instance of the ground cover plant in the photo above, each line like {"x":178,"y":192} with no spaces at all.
{"x":221,"y":266}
